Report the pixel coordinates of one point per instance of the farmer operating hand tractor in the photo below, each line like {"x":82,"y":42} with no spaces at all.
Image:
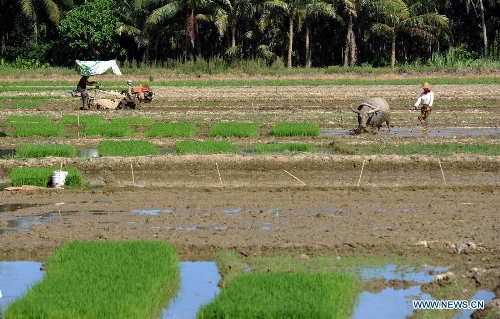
{"x":425,"y":101}
{"x":82,"y":88}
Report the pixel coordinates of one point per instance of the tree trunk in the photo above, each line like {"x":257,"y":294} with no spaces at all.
{"x":350,"y":50}
{"x":393,"y":50}
{"x":233,"y":35}
{"x":308,"y":46}
{"x":290,"y":42}
{"x":485,"y":36}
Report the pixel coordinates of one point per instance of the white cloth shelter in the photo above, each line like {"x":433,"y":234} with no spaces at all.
{"x":89,"y":68}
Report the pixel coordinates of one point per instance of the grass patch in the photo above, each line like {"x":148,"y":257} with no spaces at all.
{"x":229,"y":265}
{"x":172,"y":130}
{"x":109,"y":130}
{"x":81,"y":120}
{"x":234,"y":129}
{"x":42,"y":176}
{"x":43,"y":129}
{"x":43,"y":150}
{"x":284,"y":295}
{"x":296,"y":129}
{"x":127,"y":148}
{"x":284,"y":147}
{"x":205,"y":147}
{"x":103,"y":279}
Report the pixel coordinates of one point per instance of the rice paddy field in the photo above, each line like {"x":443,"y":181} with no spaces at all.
{"x":264,"y":169}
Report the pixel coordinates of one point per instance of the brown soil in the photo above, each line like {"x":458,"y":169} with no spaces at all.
{"x":440,"y":209}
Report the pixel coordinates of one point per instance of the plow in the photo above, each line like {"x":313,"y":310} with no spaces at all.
{"x":100,"y":99}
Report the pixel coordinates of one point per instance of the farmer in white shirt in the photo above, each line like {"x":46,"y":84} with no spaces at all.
{"x":425,"y":99}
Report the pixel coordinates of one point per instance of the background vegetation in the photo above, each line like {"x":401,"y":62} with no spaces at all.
{"x":250,"y":35}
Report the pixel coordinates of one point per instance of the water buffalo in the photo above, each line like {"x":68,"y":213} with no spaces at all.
{"x":373,"y":112}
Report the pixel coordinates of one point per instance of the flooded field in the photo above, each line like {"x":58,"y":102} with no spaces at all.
{"x":439,"y":210}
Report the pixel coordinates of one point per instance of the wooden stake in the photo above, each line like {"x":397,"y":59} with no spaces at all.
{"x":295,"y":177}
{"x":133,"y":178}
{"x":442,"y":172}
{"x":218,"y":172}
{"x":361,"y":174}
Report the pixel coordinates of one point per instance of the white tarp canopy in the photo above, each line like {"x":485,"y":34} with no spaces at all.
{"x":89,"y":68}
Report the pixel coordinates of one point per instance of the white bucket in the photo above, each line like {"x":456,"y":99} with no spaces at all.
{"x":59,"y":178}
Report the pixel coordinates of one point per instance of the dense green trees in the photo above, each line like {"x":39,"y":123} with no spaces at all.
{"x":300,"y":32}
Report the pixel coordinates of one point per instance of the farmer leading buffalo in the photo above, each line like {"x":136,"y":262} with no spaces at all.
{"x":425,"y":101}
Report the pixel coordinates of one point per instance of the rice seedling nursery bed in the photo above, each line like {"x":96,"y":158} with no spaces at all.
{"x":429,"y":197}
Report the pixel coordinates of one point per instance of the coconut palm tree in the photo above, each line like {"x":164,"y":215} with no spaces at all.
{"x":44,"y":10}
{"x":351,"y":9}
{"x":289,"y":9}
{"x":479,"y":5}
{"x":313,"y":11}
{"x":132,"y":15}
{"x":394,"y":17}
{"x":228,"y":13}
{"x":190,"y":9}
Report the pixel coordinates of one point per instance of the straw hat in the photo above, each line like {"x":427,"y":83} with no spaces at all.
{"x":426,"y":86}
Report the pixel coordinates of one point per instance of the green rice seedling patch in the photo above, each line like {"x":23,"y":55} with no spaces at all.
{"x":42,"y":129}
{"x":234,"y":129}
{"x":282,"y":147}
{"x":127,"y":148}
{"x":205,"y":147}
{"x":81,"y":120}
{"x":27,"y":104}
{"x":42,"y":176}
{"x":103,"y":279}
{"x":44,"y":150}
{"x":284,"y":295}
{"x":107,"y":129}
{"x":296,"y":129}
{"x":14,"y":120}
{"x":132,"y":121}
{"x":182,"y":129}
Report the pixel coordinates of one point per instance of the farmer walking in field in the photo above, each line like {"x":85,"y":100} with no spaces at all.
{"x":425,"y":101}
{"x":82,"y":88}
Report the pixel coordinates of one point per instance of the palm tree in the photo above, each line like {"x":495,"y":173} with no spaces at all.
{"x":351,"y":9}
{"x":32,"y":8}
{"x":291,"y":10}
{"x":173,"y":7}
{"x":480,"y":4}
{"x":314,"y":9}
{"x":132,"y":15}
{"x":394,"y":17}
{"x":228,"y":13}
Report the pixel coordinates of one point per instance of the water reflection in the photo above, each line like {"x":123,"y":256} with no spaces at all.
{"x":198,"y":286}
{"x":16,"y":277}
